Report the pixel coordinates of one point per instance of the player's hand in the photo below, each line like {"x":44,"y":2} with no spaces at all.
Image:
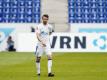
{"x":44,"y":45}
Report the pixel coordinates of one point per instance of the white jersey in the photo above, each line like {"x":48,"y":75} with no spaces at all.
{"x":44,"y":31}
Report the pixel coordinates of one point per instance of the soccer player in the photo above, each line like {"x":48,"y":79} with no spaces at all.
{"x":43,"y":32}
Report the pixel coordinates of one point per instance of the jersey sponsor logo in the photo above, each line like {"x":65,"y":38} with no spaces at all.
{"x":44,"y":33}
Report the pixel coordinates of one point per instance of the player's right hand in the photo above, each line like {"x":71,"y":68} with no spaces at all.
{"x":44,"y":45}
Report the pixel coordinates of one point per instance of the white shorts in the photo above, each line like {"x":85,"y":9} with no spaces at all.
{"x":40,"y":50}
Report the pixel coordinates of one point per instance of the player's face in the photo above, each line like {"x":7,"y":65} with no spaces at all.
{"x":45,"y":20}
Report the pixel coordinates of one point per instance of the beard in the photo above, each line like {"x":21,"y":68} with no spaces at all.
{"x":44,"y":22}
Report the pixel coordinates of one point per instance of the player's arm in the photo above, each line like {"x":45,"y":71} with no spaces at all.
{"x":38,"y":37}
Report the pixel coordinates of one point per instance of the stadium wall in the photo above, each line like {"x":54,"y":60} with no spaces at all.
{"x":12,"y":29}
{"x":15,"y":29}
{"x":88,"y":28}
{"x":66,"y":42}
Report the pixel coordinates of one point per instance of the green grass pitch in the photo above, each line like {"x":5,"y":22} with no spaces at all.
{"x":66,"y":66}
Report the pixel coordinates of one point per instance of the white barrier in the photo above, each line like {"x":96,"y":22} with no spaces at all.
{"x":66,"y":42}
{"x":88,"y":28}
{"x":13,"y":29}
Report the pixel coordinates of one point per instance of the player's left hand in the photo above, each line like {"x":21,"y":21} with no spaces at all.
{"x":43,"y":44}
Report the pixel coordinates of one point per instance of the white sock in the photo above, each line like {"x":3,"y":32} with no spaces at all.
{"x":38,"y":67}
{"x":49,"y":66}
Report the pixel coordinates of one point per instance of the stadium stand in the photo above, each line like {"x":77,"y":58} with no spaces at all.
{"x":20,"y":11}
{"x":61,"y":12}
{"x":87,"y":11}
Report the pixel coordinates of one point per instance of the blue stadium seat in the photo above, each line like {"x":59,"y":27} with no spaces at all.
{"x":87,"y":11}
{"x":36,"y":4}
{"x":20,"y":11}
{"x":36,"y":10}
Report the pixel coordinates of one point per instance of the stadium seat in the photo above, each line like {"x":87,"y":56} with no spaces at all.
{"x":16,"y":8}
{"x":92,"y":11}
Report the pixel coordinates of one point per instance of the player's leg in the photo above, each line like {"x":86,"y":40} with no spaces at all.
{"x":39,"y":52}
{"x":38,"y":65}
{"x":49,"y":56}
{"x":50,"y":74}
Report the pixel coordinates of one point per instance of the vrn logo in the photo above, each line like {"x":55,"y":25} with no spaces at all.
{"x":67,"y":40}
{"x":4,"y":32}
{"x":101,"y":42}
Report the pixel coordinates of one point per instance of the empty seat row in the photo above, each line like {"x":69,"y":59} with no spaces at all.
{"x":87,"y":21}
{"x":89,"y":4}
{"x":86,"y":11}
{"x":20,"y":11}
{"x":87,"y":0}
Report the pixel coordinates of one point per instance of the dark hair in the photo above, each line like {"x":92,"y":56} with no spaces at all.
{"x":45,"y":15}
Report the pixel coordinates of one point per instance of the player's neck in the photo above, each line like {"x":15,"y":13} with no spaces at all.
{"x":45,"y":24}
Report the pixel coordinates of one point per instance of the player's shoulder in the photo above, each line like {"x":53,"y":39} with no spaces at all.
{"x":49,"y":25}
{"x":39,"y":25}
